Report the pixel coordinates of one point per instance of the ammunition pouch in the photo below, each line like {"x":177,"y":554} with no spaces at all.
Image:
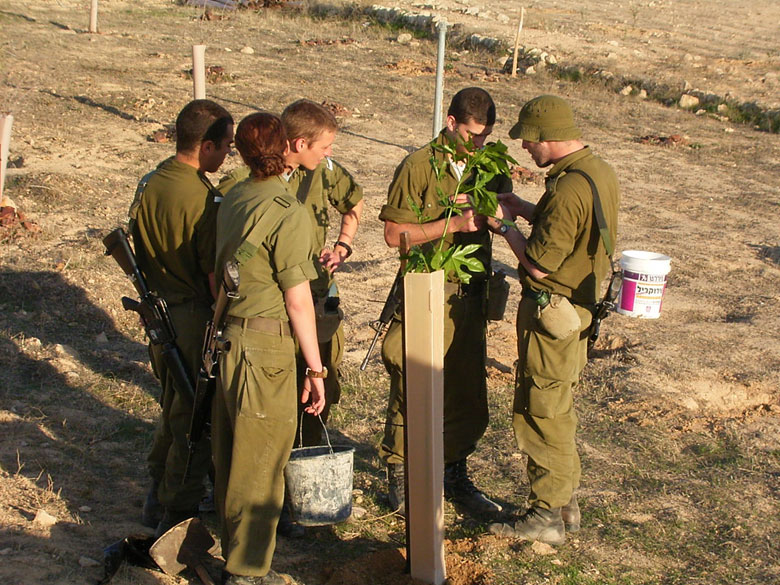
{"x":497,"y":296}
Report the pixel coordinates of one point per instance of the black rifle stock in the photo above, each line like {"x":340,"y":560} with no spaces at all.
{"x":152,"y":309}
{"x":214,"y":344}
{"x":606,"y":306}
{"x":393,"y":301}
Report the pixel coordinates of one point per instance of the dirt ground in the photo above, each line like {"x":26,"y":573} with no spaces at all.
{"x":680,"y":416}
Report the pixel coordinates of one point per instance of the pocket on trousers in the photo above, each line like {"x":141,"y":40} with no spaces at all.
{"x":270,"y":377}
{"x":545,"y":397}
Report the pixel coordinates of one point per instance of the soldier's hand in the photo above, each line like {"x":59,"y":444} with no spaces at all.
{"x":314,"y":391}
{"x":333,"y":259}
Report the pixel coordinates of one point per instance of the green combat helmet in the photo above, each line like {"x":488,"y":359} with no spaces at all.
{"x":544,"y":118}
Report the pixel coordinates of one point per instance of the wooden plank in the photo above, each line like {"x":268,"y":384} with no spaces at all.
{"x":6,"y":122}
{"x":199,"y":71}
{"x":424,"y":371}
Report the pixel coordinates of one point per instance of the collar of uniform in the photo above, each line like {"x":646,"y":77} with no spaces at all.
{"x":440,"y":156}
{"x":567,"y":161}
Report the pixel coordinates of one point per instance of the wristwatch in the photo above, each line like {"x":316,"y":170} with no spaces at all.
{"x":315,"y":374}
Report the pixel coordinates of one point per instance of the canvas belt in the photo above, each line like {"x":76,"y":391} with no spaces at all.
{"x":262,"y":324}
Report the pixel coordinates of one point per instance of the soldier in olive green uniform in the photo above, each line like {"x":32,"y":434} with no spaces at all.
{"x":173,"y":225}
{"x":318,"y":188}
{"x":470,"y":117}
{"x":562,"y":263}
{"x":269,"y":234}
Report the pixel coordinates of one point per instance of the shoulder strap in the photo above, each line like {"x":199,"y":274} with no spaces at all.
{"x":601,"y":220}
{"x":254,"y":238}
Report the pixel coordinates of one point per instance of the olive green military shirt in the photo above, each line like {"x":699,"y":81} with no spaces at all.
{"x":329,"y":184}
{"x":173,"y":224}
{"x":565,"y":241}
{"x":283,"y":258}
{"x":415,"y":180}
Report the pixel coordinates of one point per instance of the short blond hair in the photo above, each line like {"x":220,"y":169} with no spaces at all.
{"x":307,"y":119}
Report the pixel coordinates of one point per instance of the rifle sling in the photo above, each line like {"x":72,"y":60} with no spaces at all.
{"x":598,"y":210}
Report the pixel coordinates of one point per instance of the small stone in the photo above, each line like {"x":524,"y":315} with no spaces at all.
{"x":6,"y":551}
{"x":542,"y":548}
{"x":688,"y":101}
{"x":101,"y":338}
{"x":700,"y":112}
{"x":642,"y":95}
{"x":33,"y":343}
{"x":88,"y":562}
{"x":722,"y":108}
{"x":626,"y":90}
{"x":248,"y":51}
{"x":43,"y":518}
{"x":612,"y":56}
{"x":66,"y":351}
{"x":358,"y":512}
{"x":530,"y":70}
{"x":552,"y":60}
{"x":85,"y":509}
{"x":613,"y":43}
{"x":404,"y":38}
{"x":687,"y":57}
{"x":687,"y":86}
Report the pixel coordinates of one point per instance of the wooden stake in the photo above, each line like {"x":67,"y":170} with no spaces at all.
{"x":93,"y":16}
{"x":517,"y":42}
{"x":5,"y":141}
{"x":199,"y":71}
{"x":424,"y":377}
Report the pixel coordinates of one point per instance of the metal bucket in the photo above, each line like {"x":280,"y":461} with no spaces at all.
{"x":319,"y":484}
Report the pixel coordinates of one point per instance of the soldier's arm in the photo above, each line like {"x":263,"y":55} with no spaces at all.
{"x":517,"y":242}
{"x":342,"y":249}
{"x":420,"y":233}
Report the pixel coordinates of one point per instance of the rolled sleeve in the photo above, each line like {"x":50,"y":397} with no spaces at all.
{"x":557,"y":226}
{"x":293,"y":250}
{"x":343,"y":192}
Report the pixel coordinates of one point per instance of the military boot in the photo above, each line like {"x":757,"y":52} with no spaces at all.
{"x":395,"y":487}
{"x":535,"y":524}
{"x":459,"y":489}
{"x":171,"y":518}
{"x":570,"y":514}
{"x":153,"y":510}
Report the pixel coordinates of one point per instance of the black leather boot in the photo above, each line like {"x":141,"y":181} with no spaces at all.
{"x":459,"y":489}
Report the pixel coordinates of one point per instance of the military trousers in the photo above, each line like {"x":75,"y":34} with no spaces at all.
{"x":544,"y":419}
{"x":167,"y":458}
{"x":331,"y":353}
{"x":465,"y":383}
{"x":253,"y":425}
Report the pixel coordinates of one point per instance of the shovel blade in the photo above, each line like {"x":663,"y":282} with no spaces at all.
{"x":183,"y":545}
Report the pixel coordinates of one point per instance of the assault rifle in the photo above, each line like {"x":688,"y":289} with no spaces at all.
{"x":391,"y":306}
{"x":605,"y":306}
{"x":393,"y":301}
{"x":152,"y":309}
{"x":214,"y":343}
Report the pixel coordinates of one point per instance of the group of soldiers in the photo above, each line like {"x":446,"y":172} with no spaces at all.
{"x":272,"y":218}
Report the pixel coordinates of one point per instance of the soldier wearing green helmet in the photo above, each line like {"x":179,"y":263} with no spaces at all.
{"x":561,"y":267}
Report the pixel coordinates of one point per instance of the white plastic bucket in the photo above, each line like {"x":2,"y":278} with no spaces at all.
{"x":644,"y":283}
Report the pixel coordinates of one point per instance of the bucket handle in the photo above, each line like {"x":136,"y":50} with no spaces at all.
{"x":327,"y":437}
